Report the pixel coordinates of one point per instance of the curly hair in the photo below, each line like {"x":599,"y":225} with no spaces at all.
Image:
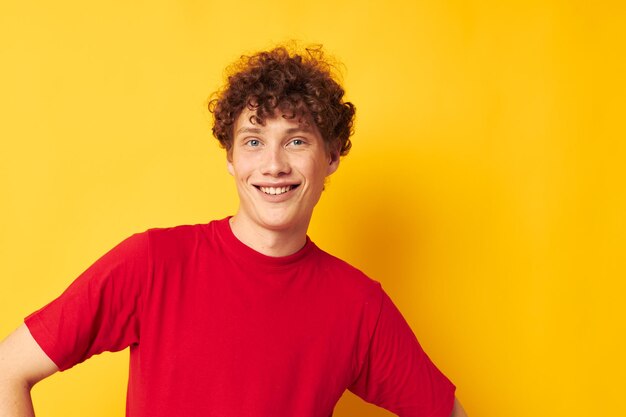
{"x":296,"y":84}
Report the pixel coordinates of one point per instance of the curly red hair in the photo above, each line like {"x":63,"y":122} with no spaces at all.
{"x":296,"y":84}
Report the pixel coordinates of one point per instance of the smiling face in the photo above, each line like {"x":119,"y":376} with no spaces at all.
{"x":279,"y":169}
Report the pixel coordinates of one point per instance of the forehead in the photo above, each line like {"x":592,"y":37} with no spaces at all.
{"x":248,"y":121}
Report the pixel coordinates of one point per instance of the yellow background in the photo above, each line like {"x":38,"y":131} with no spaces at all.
{"x":485,"y":190}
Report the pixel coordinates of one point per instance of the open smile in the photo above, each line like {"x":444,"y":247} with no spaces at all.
{"x":276,"y":190}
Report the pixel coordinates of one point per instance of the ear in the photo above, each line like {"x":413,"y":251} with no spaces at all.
{"x":333,"y":163}
{"x":229,"y":166}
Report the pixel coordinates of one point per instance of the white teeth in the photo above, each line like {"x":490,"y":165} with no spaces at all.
{"x":275,"y":190}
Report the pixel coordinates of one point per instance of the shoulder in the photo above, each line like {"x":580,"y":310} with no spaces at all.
{"x":185,"y":231}
{"x":174,"y":240}
{"x":350,"y":279}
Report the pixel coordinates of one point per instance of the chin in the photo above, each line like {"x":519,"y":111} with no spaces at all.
{"x":277,"y":224}
{"x":278,"y":221}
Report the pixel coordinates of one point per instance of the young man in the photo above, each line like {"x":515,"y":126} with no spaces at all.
{"x":242,"y":316}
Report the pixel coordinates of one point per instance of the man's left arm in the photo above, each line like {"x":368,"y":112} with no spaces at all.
{"x":457,"y":409}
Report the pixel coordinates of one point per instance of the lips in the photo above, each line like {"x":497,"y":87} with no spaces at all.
{"x":276,"y":190}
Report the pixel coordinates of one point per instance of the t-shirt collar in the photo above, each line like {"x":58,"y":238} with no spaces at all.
{"x":241,"y":251}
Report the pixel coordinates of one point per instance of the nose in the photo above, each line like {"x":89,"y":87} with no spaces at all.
{"x":275,"y":162}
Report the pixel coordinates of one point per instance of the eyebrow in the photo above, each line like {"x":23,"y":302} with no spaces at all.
{"x":289,"y":131}
{"x":303,"y":129}
{"x":248,"y":130}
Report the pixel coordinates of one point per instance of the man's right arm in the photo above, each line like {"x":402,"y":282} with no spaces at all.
{"x":22,"y":364}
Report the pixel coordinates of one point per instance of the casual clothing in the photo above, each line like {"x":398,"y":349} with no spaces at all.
{"x":218,"y":329}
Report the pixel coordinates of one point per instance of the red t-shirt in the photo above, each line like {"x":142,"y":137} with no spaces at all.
{"x":218,"y":329}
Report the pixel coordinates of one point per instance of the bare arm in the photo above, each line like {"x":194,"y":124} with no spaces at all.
{"x":457,"y":410}
{"x":22,"y":365}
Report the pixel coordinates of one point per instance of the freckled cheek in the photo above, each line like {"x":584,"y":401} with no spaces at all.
{"x":312,"y":166}
{"x":244,"y":168}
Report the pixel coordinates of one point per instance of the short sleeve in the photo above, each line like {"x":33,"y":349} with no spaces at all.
{"x":398,"y":375}
{"x":100,"y":310}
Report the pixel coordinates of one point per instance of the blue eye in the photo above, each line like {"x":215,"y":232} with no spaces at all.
{"x":253,"y":142}
{"x":297,"y":142}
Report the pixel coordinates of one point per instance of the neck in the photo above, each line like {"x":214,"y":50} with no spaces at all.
{"x":267,"y":241}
